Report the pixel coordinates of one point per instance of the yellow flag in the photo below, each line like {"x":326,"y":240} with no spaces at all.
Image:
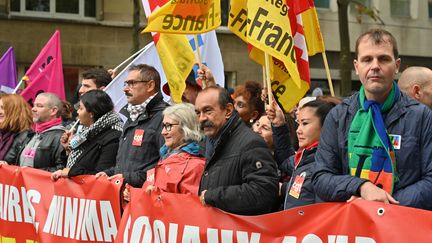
{"x":312,"y":32}
{"x":286,"y":90}
{"x":177,"y":59}
{"x":269,"y":30}
{"x":185,"y":17}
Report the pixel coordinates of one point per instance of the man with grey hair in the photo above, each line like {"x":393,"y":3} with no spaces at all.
{"x":141,"y":139}
{"x":42,"y":149}
{"x":417,"y":83}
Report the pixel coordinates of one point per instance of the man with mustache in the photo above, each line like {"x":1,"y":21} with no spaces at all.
{"x":376,"y":145}
{"x":240,"y":175}
{"x":141,"y":137}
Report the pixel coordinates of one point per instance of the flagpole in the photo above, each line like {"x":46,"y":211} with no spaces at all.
{"x":17,"y":87}
{"x":267,"y":71}
{"x":129,"y":58}
{"x":327,"y":69}
{"x":204,"y":82}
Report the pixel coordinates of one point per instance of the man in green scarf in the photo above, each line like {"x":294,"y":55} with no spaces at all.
{"x":377,"y":144}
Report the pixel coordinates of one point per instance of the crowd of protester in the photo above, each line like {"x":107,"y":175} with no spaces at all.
{"x":234,"y":151}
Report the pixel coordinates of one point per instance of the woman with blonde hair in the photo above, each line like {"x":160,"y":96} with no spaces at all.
{"x":15,"y":124}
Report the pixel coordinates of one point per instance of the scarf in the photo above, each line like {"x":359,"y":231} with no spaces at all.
{"x":370,"y":152}
{"x":109,"y":120}
{"x":136,"y":110}
{"x":6,"y":140}
{"x":192,"y":148}
{"x":41,"y":127}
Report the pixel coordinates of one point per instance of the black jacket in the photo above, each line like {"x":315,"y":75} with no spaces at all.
{"x":240,"y":176}
{"x":133,"y":161}
{"x":99,"y":154}
{"x":48,"y":152}
{"x":304,"y":169}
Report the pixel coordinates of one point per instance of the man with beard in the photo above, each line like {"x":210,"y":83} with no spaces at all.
{"x":141,"y":138}
{"x":42,"y":149}
{"x":240,"y":175}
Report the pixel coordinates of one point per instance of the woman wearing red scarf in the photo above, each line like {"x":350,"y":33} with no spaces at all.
{"x":299,"y":191}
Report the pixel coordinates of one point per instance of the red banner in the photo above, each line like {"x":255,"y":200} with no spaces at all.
{"x":181,"y":218}
{"x":34,"y":208}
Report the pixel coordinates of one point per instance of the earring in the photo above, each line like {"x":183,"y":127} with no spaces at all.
{"x":251,"y":121}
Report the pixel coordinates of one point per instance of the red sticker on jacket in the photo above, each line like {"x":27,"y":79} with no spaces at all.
{"x":297,"y":185}
{"x":138,"y":137}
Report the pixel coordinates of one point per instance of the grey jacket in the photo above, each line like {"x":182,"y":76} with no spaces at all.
{"x":407,"y":118}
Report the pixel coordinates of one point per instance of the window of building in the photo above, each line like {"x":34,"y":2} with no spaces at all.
{"x":430,"y":8}
{"x":354,"y":7}
{"x":322,"y":3}
{"x":55,"y":8}
{"x":400,"y":8}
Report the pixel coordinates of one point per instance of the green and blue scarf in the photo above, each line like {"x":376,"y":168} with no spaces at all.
{"x":370,"y":151}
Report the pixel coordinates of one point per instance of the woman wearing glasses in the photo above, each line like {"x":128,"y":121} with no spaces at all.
{"x":181,"y":165}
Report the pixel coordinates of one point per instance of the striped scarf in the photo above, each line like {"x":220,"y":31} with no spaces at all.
{"x":370,"y":152}
{"x":109,"y":120}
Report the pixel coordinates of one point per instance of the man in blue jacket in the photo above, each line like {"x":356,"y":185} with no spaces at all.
{"x":377,"y":144}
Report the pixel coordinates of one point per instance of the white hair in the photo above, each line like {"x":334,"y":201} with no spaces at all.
{"x":185,"y":114}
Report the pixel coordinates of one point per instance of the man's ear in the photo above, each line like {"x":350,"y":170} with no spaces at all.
{"x":55,"y":112}
{"x":415,"y":91}
{"x":255,"y":115}
{"x":229,"y":110}
{"x":151,"y":86}
{"x":355,"y":65}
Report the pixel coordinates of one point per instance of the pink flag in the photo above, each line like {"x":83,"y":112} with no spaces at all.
{"x":46,"y":72}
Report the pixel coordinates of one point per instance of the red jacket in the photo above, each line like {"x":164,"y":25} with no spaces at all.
{"x":179,"y":173}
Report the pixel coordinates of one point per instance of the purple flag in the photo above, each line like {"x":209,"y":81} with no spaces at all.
{"x":8,"y":74}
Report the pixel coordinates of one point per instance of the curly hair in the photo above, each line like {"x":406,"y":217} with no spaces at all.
{"x":251,"y":91}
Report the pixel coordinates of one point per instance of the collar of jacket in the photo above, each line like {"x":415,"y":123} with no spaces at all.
{"x":156,"y":104}
{"x":398,"y":109}
{"x":232,"y":123}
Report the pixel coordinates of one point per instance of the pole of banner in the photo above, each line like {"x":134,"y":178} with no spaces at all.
{"x":327,"y":69}
{"x":198,"y":56}
{"x":267,"y":74}
{"x":74,"y":125}
{"x":128,"y":59}
{"x":17,"y":87}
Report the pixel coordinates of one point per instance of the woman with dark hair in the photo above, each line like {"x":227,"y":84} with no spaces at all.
{"x":248,"y":103}
{"x":299,"y":166}
{"x":15,"y":124}
{"x":95,"y":148}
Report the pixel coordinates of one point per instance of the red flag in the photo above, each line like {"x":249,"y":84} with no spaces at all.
{"x":46,"y":72}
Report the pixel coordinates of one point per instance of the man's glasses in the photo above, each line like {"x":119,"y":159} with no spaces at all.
{"x":168,"y":126}
{"x":131,"y":83}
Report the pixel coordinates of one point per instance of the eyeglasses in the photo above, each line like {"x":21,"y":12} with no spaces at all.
{"x":168,"y":126}
{"x":131,"y":83}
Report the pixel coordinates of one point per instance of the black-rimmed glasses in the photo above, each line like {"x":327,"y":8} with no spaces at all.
{"x":168,"y":126}
{"x":131,"y":83}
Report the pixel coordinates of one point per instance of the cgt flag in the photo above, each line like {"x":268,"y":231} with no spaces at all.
{"x":175,"y":53}
{"x":46,"y":72}
{"x":8,"y":74}
{"x":184,"y":17}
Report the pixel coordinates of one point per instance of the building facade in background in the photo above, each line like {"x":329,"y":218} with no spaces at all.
{"x":99,"y":33}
